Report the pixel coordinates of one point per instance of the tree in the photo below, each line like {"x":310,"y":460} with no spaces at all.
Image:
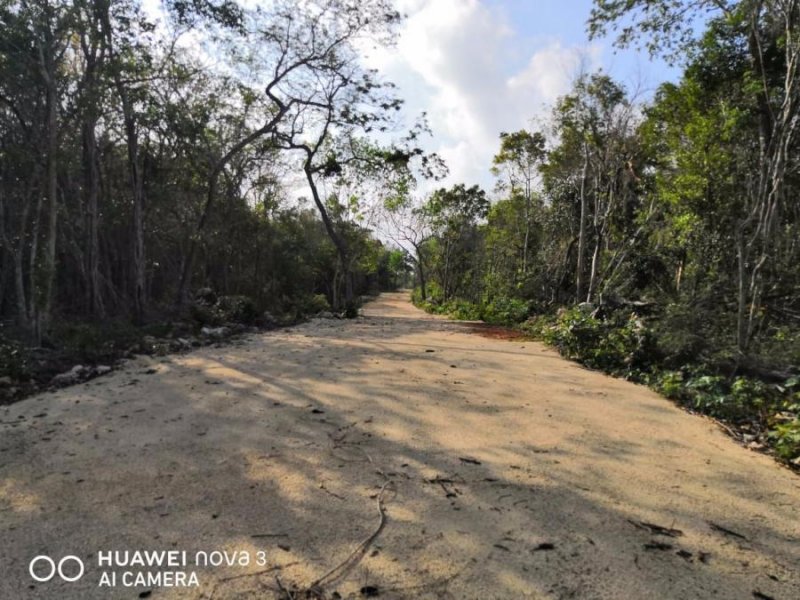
{"x":305,"y":58}
{"x":521,"y":154}
{"x":594,"y":126}
{"x":770,"y":32}
{"x":406,"y":222}
{"x":36,"y":39}
{"x":454,"y":214}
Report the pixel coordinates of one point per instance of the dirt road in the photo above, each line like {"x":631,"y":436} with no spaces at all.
{"x":504,"y":472}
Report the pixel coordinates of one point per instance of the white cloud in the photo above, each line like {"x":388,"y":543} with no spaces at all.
{"x":454,"y":60}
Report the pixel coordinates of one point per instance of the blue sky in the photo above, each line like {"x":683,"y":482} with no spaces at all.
{"x":479,"y":67}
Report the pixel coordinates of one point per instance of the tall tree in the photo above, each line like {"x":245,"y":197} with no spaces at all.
{"x":521,"y":154}
{"x":770,"y":32}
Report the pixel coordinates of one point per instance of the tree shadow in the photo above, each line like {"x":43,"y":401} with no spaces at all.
{"x":285,"y":445}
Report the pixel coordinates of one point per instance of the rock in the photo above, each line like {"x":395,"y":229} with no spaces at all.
{"x":74,"y":375}
{"x":5,"y":380}
{"x":215,"y":332}
{"x":102,"y":369}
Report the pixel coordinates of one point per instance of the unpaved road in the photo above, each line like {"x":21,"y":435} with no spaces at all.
{"x":514,"y":474}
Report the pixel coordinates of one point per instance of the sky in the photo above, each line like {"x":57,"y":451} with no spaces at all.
{"x":481,"y":67}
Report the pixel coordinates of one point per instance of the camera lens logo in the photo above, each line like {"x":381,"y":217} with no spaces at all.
{"x":43,"y":568}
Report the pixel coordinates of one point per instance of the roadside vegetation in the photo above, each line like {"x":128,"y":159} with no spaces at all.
{"x":176,"y":166}
{"x":171,"y":178}
{"x":658,"y":240}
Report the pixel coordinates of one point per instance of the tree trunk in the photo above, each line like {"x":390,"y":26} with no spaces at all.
{"x":92,"y":192}
{"x":446,"y":278}
{"x":741,"y":309}
{"x":593,"y":268}
{"x":421,"y":275}
{"x":527,"y":229}
{"x":43,"y":294}
{"x":137,"y":190}
{"x":338,"y":242}
{"x":580,"y":266}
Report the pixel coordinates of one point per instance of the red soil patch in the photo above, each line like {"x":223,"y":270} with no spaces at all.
{"x":496,"y":332}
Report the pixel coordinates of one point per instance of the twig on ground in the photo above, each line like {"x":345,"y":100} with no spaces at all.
{"x":725,"y":530}
{"x":246,"y":575}
{"x":357,"y":554}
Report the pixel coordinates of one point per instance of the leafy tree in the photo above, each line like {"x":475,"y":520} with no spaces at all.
{"x":767,"y":33}
{"x":521,"y":154}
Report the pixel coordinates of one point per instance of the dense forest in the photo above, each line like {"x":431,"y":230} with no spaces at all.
{"x":217,"y":163}
{"x":655,"y":240}
{"x":145,"y":156}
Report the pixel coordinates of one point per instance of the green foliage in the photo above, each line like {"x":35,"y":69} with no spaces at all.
{"x":314,"y":304}
{"x":503,"y":310}
{"x":670,"y":384}
{"x":225,"y":309}
{"x":710,"y":394}
{"x":237,"y":309}
{"x":627,"y":348}
{"x":619,"y":345}
{"x":499,"y":311}
{"x":88,"y":341}
{"x":463,"y":310}
{"x":15,"y":360}
{"x":786,"y":438}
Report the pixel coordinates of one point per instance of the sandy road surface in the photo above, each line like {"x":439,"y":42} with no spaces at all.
{"x":514,"y":473}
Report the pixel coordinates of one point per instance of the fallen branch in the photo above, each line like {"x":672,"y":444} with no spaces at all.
{"x":246,"y":575}
{"x":656,"y":529}
{"x":358,"y":553}
{"x":725,"y":530}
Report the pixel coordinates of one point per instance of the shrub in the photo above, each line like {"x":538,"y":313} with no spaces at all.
{"x":93,"y":342}
{"x":670,"y":384}
{"x":463,"y":310}
{"x":505,"y":311}
{"x":786,"y":439}
{"x":680,"y":334}
{"x":14,"y":360}
{"x":315,"y":304}
{"x":225,"y":309}
{"x":237,"y":309}
{"x":619,"y":344}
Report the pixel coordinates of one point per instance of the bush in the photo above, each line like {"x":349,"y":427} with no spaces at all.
{"x":505,"y":311}
{"x":315,"y":304}
{"x":14,"y":360}
{"x":224,"y":309}
{"x":616,"y":345}
{"x":237,"y":309}
{"x":786,"y":439}
{"x":680,"y":334}
{"x":94,"y":342}
{"x":670,"y":384}
{"x":463,"y":310}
